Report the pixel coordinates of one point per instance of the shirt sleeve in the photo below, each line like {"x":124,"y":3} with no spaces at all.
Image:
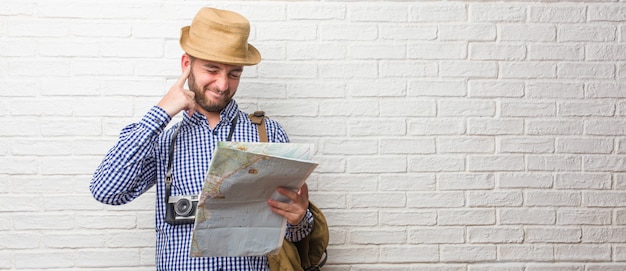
{"x":297,"y":232}
{"x":129,"y":169}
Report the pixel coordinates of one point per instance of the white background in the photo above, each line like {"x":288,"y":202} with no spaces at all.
{"x":451,"y":135}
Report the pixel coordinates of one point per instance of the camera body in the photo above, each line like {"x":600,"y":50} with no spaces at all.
{"x":181,"y":209}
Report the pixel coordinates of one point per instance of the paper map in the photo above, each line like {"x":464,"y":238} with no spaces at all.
{"x":232,"y":217}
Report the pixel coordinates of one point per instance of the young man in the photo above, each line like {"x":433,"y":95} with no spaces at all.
{"x":216,"y":49}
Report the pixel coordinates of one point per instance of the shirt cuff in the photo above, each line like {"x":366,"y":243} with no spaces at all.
{"x":156,"y":118}
{"x":305,"y":223}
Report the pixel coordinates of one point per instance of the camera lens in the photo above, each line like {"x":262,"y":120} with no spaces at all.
{"x":183,"y":207}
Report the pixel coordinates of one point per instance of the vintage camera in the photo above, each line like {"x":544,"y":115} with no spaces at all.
{"x":181,"y":209}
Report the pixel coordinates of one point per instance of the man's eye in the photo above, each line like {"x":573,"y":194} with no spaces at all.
{"x":236,"y":76}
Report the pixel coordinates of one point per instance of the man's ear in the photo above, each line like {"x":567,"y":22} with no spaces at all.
{"x":185,"y":61}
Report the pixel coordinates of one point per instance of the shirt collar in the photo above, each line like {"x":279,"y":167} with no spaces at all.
{"x":226,"y":115}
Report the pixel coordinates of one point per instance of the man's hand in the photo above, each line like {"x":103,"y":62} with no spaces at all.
{"x":294,"y":210}
{"x":178,"y":98}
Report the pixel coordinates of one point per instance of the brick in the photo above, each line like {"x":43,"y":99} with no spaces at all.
{"x":473,"y":216}
{"x":465,"y":145}
{"x":401,"y":68}
{"x":555,"y":89}
{"x":436,"y":126}
{"x":435,"y":199}
{"x":63,"y":259}
{"x":604,"y":199}
{"x":524,"y":180}
{"x":527,"y":216}
{"x":553,"y":235}
{"x":400,"y":254}
{"x":557,"y":14}
{"x":485,"y":126}
{"x":407,"y":107}
{"x":605,"y":90}
{"x":408,"y":32}
{"x":408,"y":218}
{"x":497,"y":13}
{"x":379,"y":199}
{"x":313,"y":11}
{"x":388,"y":127}
{"x":429,"y":163}
{"x":525,"y":252}
{"x":583,"y":181}
{"x":440,"y":12}
{"x":378,"y":164}
{"x":526,"y":145}
{"x":351,"y":218}
{"x":586,"y":70}
{"x":554,"y":127}
{"x":467,"y":32}
{"x":468,"y":253}
{"x":352,"y":32}
{"x":495,"y":89}
{"x":609,"y":12}
{"x":556,"y":52}
{"x":499,"y":51}
{"x":494,"y":199}
{"x":528,"y":32}
{"x":407,"y":182}
{"x":330,"y":182}
{"x":495,"y":162}
{"x":582,"y":253}
{"x":584,"y":145}
{"x":377,"y":236}
{"x":436,"y":235}
{"x":469,"y":69}
{"x":348,"y":146}
{"x":377,"y":13}
{"x":378,"y":51}
{"x":374,"y":88}
{"x":352,"y":254}
{"x":439,"y":51}
{"x":605,"y":52}
{"x":20,"y":241}
{"x":495,"y":235}
{"x":528,"y":70}
{"x":474,"y":107}
{"x":543,"y":199}
{"x":583,"y":217}
{"x":104,"y":258}
{"x":407,"y":146}
{"x":586,"y":109}
{"x":593,"y":33}
{"x":310,"y":50}
{"x":603,"y":235}
{"x":607,"y":127}
{"x":452,"y":88}
{"x":465,"y":181}
{"x":290,"y":32}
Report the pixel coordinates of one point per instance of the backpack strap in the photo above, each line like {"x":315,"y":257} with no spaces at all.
{"x":258,"y":118}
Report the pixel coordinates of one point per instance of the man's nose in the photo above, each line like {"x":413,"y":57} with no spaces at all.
{"x":222,"y":82}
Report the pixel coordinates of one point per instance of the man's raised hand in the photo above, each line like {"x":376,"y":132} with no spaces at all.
{"x":178,"y":98}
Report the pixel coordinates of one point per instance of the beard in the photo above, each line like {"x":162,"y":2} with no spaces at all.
{"x":201,"y":98}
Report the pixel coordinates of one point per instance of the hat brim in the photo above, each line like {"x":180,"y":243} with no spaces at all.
{"x":252,"y":57}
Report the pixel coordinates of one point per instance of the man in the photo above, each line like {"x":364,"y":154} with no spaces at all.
{"x":216,"y":49}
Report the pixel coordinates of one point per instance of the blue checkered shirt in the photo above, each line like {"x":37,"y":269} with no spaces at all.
{"x":139,"y":161}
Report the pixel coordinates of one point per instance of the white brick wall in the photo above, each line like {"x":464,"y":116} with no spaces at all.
{"x":451,"y":135}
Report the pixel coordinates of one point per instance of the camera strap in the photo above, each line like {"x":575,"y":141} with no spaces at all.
{"x":170,"y":156}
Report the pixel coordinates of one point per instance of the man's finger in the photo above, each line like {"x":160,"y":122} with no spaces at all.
{"x":183,"y":77}
{"x":304,"y":191}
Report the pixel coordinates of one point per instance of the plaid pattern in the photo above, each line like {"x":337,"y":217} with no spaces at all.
{"x":139,"y":161}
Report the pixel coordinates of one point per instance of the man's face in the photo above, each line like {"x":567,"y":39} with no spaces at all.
{"x":214,"y":84}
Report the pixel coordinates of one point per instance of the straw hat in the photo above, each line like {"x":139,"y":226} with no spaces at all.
{"x":220,"y":36}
